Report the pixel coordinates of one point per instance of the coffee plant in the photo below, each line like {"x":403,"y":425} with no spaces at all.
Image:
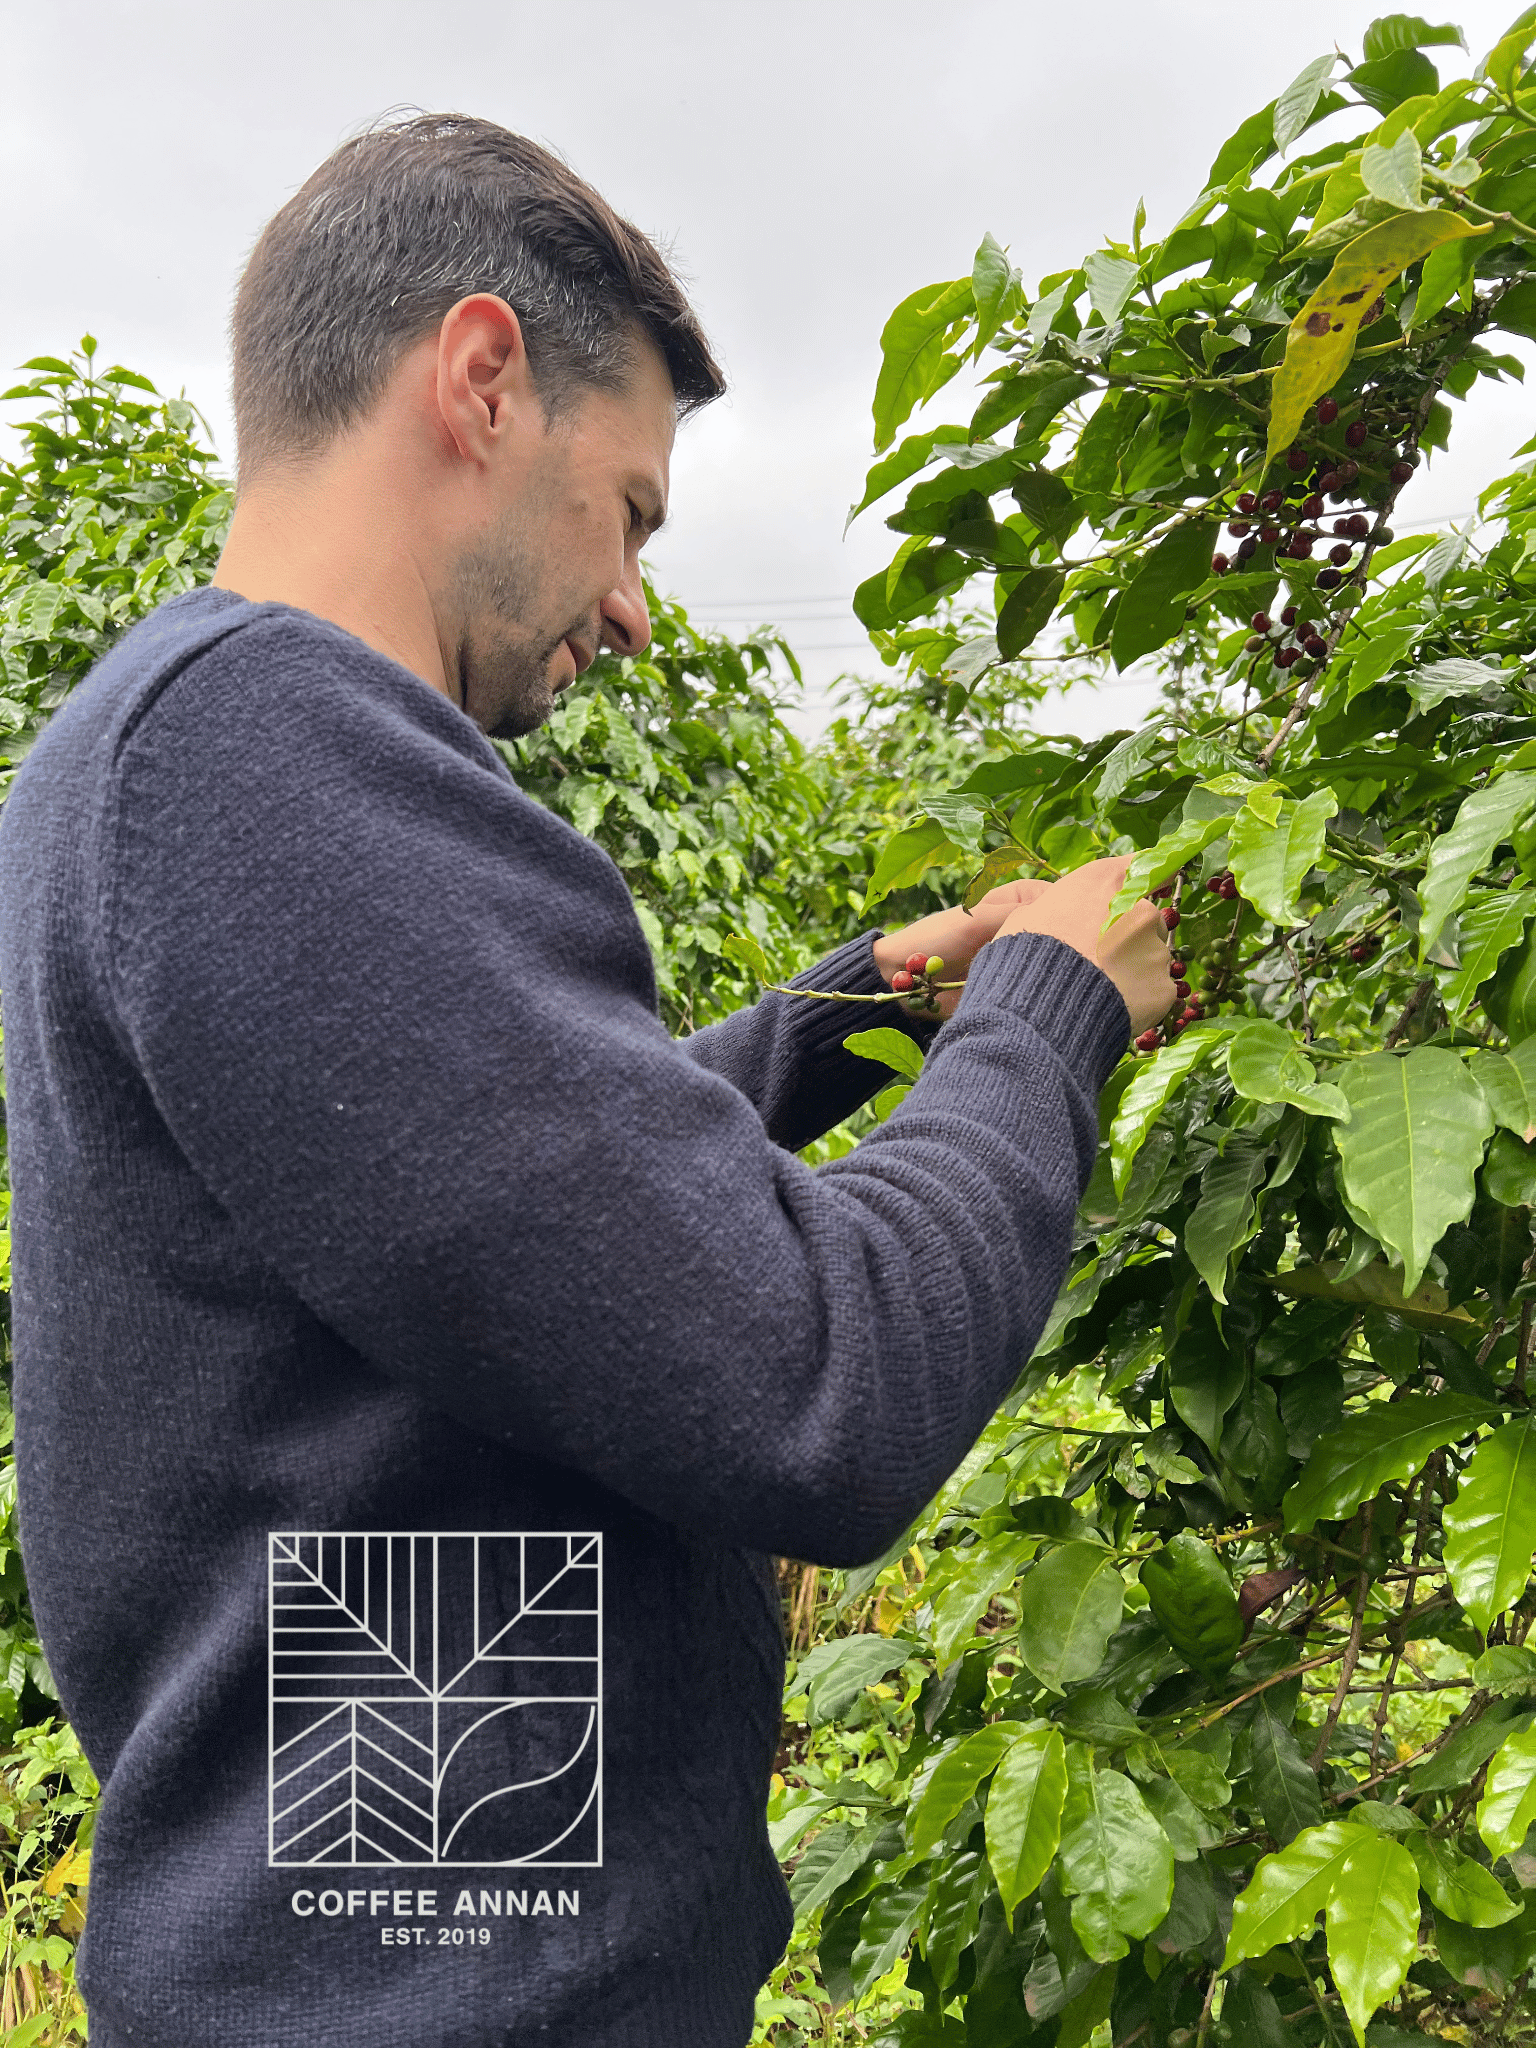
{"x":1225,"y":1728}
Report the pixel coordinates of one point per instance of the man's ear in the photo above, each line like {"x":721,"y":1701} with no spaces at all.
{"x":484,"y":389}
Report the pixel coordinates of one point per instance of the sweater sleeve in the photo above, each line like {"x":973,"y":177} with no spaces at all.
{"x":401,"y":1023}
{"x":786,"y":1053}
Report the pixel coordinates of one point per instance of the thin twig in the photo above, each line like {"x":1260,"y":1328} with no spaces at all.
{"x":1410,"y":1010}
{"x":1351,"y":1649}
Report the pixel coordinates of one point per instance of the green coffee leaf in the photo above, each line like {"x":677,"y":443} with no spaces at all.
{"x":952,"y":1912}
{"x":1509,"y":1174}
{"x":1271,"y":860}
{"x":1223,"y":1218}
{"x":1488,"y":816}
{"x":1024,"y":1807}
{"x":1394,"y":172}
{"x":1151,"y":607}
{"x":1028,"y":609}
{"x":1459,"y":1885}
{"x":887,"y":1927}
{"x":1204,"y":1379}
{"x":912,"y":347}
{"x":1293,"y":109}
{"x":834,"y":1674}
{"x":889,"y":1048}
{"x":969,"y":1590}
{"x":1387,"y":1442}
{"x":995,"y":287}
{"x":1193,"y":1601}
{"x":1148,"y":1094}
{"x":955,"y":1780}
{"x":1490,"y":925}
{"x":1069,"y":1607}
{"x":1116,"y":1864}
{"x":1125,"y":763}
{"x":1507,"y":1809}
{"x":1508,"y":1082}
{"x":909,"y":854}
{"x":830,"y":1859}
{"x":1411,"y":1149}
{"x":1457,"y":677}
{"x":1265,"y":1063}
{"x":1490,"y":1527}
{"x":1289,"y":1889}
{"x":1373,"y":1926}
{"x":1156,"y":863}
{"x":1283,"y":1782}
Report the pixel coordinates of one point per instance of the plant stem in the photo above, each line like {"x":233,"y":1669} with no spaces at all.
{"x":1351,"y":1649}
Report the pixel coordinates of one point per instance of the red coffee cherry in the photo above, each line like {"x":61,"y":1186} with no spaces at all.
{"x":1147,"y":1042}
{"x":1327,"y":411}
{"x":901,"y":981}
{"x":1288,"y":616}
{"x":1238,"y":528}
{"x":1272,"y":501}
{"x":1300,"y":547}
{"x":1312,"y":508}
{"x":1246,"y":549}
{"x":1171,"y":917}
{"x":1355,"y":433}
{"x":1287,"y":657}
{"x":1349,"y":472}
{"x":1328,"y":579}
{"x":916,"y":962}
{"x":1402,"y":472}
{"x":1260,"y":622}
{"x":1181,"y":989}
{"x":1220,"y":565}
{"x":1228,"y":888}
{"x":1175,"y":966}
{"x":1268,"y":535}
{"x":1341,"y":554}
{"x":1358,"y":525}
{"x":1329,"y":481}
{"x":1296,"y":459}
{"x":1247,"y":502}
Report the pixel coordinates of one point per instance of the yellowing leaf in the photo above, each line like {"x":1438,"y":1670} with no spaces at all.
{"x":1323,"y":334}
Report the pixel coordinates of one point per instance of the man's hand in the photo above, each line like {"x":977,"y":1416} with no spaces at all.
{"x":1133,"y":952}
{"x":957,"y":936}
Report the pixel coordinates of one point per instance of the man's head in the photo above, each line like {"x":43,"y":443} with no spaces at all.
{"x":450,"y":303}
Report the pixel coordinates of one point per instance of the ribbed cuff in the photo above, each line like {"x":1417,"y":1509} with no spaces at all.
{"x":1059,"y":993}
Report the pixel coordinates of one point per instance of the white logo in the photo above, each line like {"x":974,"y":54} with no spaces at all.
{"x":436,"y":1700}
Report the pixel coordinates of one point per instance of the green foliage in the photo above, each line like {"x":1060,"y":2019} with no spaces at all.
{"x":1237,"y":1689}
{"x":111,"y":507}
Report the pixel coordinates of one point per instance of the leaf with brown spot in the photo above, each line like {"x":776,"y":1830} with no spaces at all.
{"x":1323,"y":334}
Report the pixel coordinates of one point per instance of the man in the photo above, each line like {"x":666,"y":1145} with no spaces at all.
{"x":419,"y":1354}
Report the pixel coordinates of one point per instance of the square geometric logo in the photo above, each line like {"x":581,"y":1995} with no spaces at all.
{"x":435,"y":1700}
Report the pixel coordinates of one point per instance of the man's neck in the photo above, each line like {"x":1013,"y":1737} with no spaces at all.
{"x":326,"y":543}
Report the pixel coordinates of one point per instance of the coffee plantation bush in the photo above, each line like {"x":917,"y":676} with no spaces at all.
{"x":1227,"y":1734}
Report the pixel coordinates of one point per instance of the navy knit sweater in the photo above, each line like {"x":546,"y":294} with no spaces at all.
{"x":419,"y":1354}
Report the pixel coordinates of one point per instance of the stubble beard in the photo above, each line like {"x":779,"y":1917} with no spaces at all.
{"x":504,"y":661}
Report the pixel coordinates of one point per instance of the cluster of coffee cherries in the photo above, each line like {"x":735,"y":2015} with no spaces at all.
{"x":1215,"y":964}
{"x":916,"y":981}
{"x":1288,"y":517}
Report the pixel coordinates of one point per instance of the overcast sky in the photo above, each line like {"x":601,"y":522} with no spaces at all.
{"x":810,"y":163}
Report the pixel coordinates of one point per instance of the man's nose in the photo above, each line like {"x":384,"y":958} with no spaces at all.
{"x":626,"y":615}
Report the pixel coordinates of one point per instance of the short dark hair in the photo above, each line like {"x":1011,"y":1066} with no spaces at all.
{"x":401,"y":223}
